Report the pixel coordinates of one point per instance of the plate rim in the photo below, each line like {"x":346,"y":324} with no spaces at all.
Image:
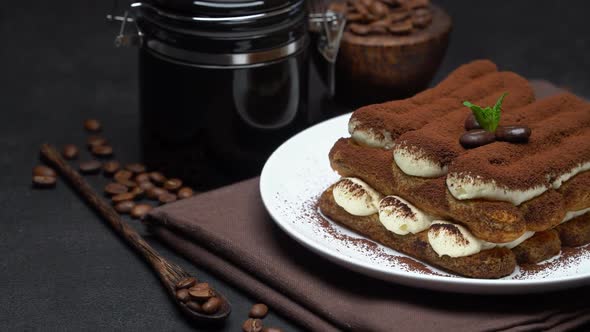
{"x":454,"y":283}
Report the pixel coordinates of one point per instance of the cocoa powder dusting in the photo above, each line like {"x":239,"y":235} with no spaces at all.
{"x":450,"y":230}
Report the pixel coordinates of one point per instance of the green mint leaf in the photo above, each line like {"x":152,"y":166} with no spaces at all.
{"x":488,"y":117}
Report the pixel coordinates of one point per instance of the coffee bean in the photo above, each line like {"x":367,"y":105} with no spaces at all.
{"x":187,"y":282}
{"x":172,"y":184}
{"x":123,"y":175}
{"x":471,"y":122}
{"x":401,"y":27}
{"x":513,"y":134}
{"x":124,"y":207}
{"x":166,"y":197}
{"x":359,"y":29}
{"x":142,"y":177}
{"x":93,"y":141}
{"x":140,"y":210}
{"x":476,"y":137}
{"x":42,"y":170}
{"x":212,"y":305}
{"x":258,"y":310}
{"x":92,"y":125}
{"x":378,"y":9}
{"x":123,"y":197}
{"x":135,"y":168}
{"x":252,"y":325}
{"x":194,"y":306}
{"x":145,"y":186}
{"x":271,"y":329}
{"x":102,"y":150}
{"x":182,"y":295}
{"x":185,"y":192}
{"x":137,"y":191}
{"x":154,"y":192}
{"x":44,"y":181}
{"x":114,"y":188}
{"x":111,"y":167}
{"x":90,"y":166}
{"x":201,"y":291}
{"x":157,"y":177}
{"x":70,"y":151}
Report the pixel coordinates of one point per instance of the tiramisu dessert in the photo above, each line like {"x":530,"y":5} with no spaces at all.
{"x":472,"y":176}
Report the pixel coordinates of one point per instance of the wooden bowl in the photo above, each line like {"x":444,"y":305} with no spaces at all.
{"x":379,"y":68}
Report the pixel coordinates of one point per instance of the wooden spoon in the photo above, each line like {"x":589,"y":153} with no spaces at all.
{"x":169,"y":273}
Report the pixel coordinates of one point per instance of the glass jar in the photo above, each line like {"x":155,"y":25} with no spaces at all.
{"x":221,"y":83}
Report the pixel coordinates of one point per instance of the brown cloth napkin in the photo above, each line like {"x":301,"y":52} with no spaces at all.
{"x":229,"y":232}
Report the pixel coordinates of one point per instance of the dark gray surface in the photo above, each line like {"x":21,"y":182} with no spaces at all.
{"x":61,"y":268}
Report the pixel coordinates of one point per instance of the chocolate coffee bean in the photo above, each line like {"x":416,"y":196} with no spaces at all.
{"x":44,"y":181}
{"x":211,"y":306}
{"x":123,"y":175}
{"x":140,"y":210}
{"x":111,"y":167}
{"x":194,"y":306}
{"x":90,"y":166}
{"x":166,"y":198}
{"x":476,"y":137}
{"x":93,"y":141}
{"x":183,"y":296}
{"x":172,"y":184}
{"x":42,"y":170}
{"x":135,"y":168}
{"x":102,"y":150}
{"x":124,"y":207}
{"x":471,"y":122}
{"x":187,"y":282}
{"x":185,"y":192}
{"x":513,"y":134}
{"x":252,"y":325}
{"x":122,"y":197}
{"x":271,"y":329}
{"x":359,"y":29}
{"x":115,"y":188}
{"x":157,"y":177}
{"x":92,"y":125}
{"x":142,"y":177}
{"x":258,"y":310}
{"x":201,"y":291}
{"x":70,"y":151}
{"x":154,"y":192}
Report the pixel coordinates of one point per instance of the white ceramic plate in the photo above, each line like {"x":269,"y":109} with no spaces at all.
{"x":299,"y":171}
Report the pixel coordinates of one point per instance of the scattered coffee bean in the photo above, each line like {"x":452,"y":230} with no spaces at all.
{"x":123,"y":175}
{"x":137,"y":191}
{"x":42,"y":170}
{"x":123,"y":197}
{"x":185,"y":192}
{"x":44,"y":181}
{"x":212,"y":305}
{"x":140,"y":210}
{"x":145,"y":186}
{"x":194,"y":306}
{"x":183,"y":295}
{"x":90,"y":166}
{"x":92,"y":125}
{"x":271,"y":329}
{"x":93,"y":141}
{"x":115,"y":188}
{"x":476,"y":137}
{"x":252,"y":325}
{"x":157,"y":178}
{"x":135,"y":168}
{"x":166,"y":198}
{"x":187,"y":282}
{"x":513,"y":134}
{"x":142,"y":177}
{"x":124,"y":207}
{"x":102,"y":150}
{"x":172,"y":184}
{"x":70,"y":151}
{"x":201,"y":291}
{"x":471,"y":122}
{"x":258,"y":310}
{"x":154,"y":192}
{"x":111,"y":167}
